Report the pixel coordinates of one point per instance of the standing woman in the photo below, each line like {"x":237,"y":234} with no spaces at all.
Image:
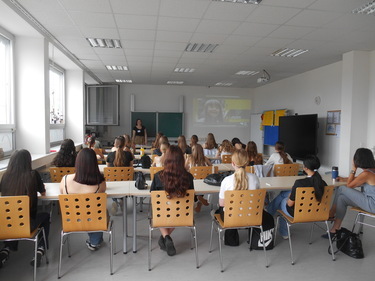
{"x":255,"y":158}
{"x":66,"y":157}
{"x":120,"y":157}
{"x":279,"y":156}
{"x":139,"y":133}
{"x":348,"y":196}
{"x":175,"y":180}
{"x":87,"y":179}
{"x":20,"y":179}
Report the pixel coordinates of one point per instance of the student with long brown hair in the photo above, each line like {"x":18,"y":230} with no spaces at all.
{"x":181,"y":142}
{"x":255,"y":158}
{"x":66,"y":157}
{"x":279,"y":156}
{"x":120,"y":157}
{"x":20,"y":179}
{"x":87,"y":179}
{"x":175,"y":180}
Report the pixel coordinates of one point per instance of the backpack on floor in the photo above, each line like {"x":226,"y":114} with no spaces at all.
{"x":268,"y":224}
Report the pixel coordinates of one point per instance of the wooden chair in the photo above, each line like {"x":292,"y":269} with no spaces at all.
{"x":226,"y":159}
{"x":154,"y":170}
{"x":172,"y":212}
{"x":15,"y":223}
{"x":153,"y":157}
{"x":243,"y":209}
{"x":282,"y":170}
{"x":308,"y":210}
{"x":200,"y":172}
{"x":118,"y":173}
{"x":359,"y":219}
{"x":57,"y":173}
{"x":84,"y":213}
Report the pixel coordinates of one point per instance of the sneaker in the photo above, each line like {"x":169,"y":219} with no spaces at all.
{"x":114,"y":208}
{"x":4,"y":256}
{"x":325,"y":236}
{"x":285,"y":237}
{"x":171,"y":250}
{"x":91,"y":246}
{"x":39,"y":256}
{"x":161,"y":243}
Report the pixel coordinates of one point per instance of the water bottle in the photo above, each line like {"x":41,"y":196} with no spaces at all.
{"x":335,"y":172}
{"x":142,"y":151}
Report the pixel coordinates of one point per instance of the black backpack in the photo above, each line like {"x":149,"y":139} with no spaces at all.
{"x":268,"y":228}
{"x":146,"y":162}
{"x":140,"y":181}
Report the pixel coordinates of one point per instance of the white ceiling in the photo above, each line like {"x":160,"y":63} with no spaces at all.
{"x":154,"y":34}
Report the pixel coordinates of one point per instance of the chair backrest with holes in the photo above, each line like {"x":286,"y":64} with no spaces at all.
{"x":154,"y":170}
{"x":308,"y":209}
{"x":243,"y":207}
{"x":250,"y":169}
{"x":83,"y":212}
{"x":119,"y":173}
{"x":14,"y":217}
{"x":226,"y":158}
{"x":201,"y":172}
{"x":57,"y":173}
{"x":282,"y":170}
{"x":172,"y":212}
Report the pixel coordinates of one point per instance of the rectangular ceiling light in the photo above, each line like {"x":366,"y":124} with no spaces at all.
{"x":184,"y":70}
{"x":117,"y":67}
{"x":366,"y":9}
{"x":175,"y":82}
{"x":124,"y":81}
{"x":247,"y":72}
{"x":241,"y":1}
{"x":289,"y":53}
{"x":104,"y":43}
{"x":200,"y":47}
{"x":224,"y":84}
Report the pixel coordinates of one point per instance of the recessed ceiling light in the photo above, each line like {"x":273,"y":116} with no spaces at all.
{"x":289,"y":53}
{"x":366,"y":9}
{"x":224,"y":84}
{"x":104,"y":43}
{"x":117,"y":67}
{"x":201,"y":47}
{"x":184,"y":70}
{"x":124,"y":81}
{"x":240,"y":1}
{"x":175,"y":82}
{"x":247,"y":72}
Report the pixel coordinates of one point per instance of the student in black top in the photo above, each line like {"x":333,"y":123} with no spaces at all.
{"x":66,"y":157}
{"x":139,"y":133}
{"x":20,"y":179}
{"x":286,"y":199}
{"x":175,"y":180}
{"x":120,"y":158}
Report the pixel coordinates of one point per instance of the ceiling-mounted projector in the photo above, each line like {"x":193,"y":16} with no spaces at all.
{"x":265,"y":77}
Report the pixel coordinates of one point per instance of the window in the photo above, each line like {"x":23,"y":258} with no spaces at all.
{"x":57,"y":109}
{"x":7,"y":126}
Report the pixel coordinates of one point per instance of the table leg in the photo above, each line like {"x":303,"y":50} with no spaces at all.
{"x":125,"y":223}
{"x":134,"y":224}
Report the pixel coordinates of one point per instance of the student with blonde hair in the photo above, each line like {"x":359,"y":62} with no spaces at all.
{"x":158,"y":160}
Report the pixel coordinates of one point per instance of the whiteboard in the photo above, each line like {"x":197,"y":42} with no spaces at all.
{"x":256,"y":134}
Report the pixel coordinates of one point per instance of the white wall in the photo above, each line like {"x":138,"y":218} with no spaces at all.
{"x":166,"y":98}
{"x":371,"y":104}
{"x":297,"y":94}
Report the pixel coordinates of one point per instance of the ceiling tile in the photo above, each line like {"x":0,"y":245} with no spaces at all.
{"x":131,"y":7}
{"x":313,"y":18}
{"x":291,"y":32}
{"x":208,"y":38}
{"x":183,"y":8}
{"x":216,"y":26}
{"x":86,"y":19}
{"x":138,"y":35}
{"x":136,"y":22}
{"x":255,"y":29}
{"x":97,"y":32}
{"x":172,"y":36}
{"x":272,"y":15}
{"x":100,"y":6}
{"x":176,"y":24}
{"x":289,"y":3}
{"x":131,"y":44}
{"x":228,"y":11}
{"x":242,"y":40}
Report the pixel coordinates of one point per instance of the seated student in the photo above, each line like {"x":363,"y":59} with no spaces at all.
{"x":181,"y":142}
{"x":120,"y":157}
{"x":255,"y":158}
{"x":20,"y":179}
{"x":92,"y":144}
{"x":158,"y":160}
{"x":193,"y":140}
{"x":286,"y":199}
{"x":348,"y":196}
{"x":237,"y":144}
{"x":66,"y":157}
{"x":162,"y":139}
{"x":240,"y":180}
{"x":175,"y":180}
{"x":129,"y":145}
{"x":155,"y":143}
{"x":226,"y":148}
{"x":279,"y":156}
{"x":210,"y":147}
{"x":87,"y":179}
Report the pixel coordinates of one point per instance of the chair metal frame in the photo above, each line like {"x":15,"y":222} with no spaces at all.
{"x":57,"y":173}
{"x":282,"y":170}
{"x":359,"y":219}
{"x":172,"y":213}
{"x":119,"y":173}
{"x":308,"y":210}
{"x":15,"y":224}
{"x":243,"y":210}
{"x":84,"y":213}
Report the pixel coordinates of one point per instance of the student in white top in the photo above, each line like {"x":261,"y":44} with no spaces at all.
{"x":280,"y":156}
{"x":240,"y":180}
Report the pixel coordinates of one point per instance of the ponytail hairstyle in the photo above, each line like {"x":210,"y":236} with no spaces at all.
{"x":240,"y":160}
{"x":120,"y":155}
{"x":280,"y":148}
{"x":312,"y":163}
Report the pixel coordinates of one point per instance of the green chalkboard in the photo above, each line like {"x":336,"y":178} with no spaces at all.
{"x":171,"y":124}
{"x":148,"y":120}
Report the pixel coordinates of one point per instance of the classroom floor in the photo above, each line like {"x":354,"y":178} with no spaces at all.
{"x":312,"y":261}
